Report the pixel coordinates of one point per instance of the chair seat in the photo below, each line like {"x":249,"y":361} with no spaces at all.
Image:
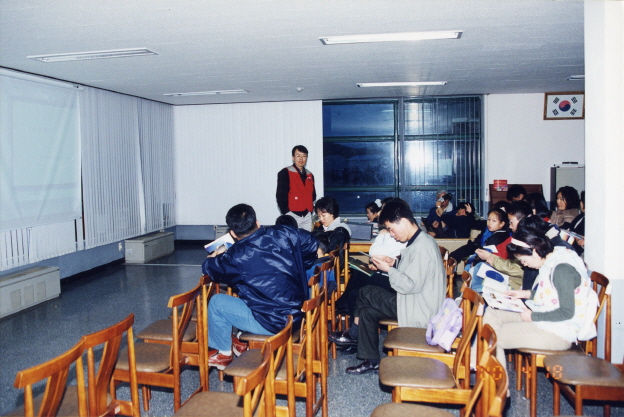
{"x":406,"y":409}
{"x":584,"y":370}
{"x":161,"y":330}
{"x":410,"y":338}
{"x":574,"y":350}
{"x":245,"y":363}
{"x":406,"y":371}
{"x":260,"y":338}
{"x":150,"y":357}
{"x":68,"y":407}
{"x":212,"y":403}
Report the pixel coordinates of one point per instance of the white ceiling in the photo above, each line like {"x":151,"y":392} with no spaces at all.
{"x":271,"y":47}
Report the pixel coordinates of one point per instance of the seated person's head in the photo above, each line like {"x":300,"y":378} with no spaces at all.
{"x":497,"y":220}
{"x":567,"y":198}
{"x":286,"y":220}
{"x":534,"y":222}
{"x":444,"y":198}
{"x":399,"y":220}
{"x":323,"y":240}
{"x":502,"y":205}
{"x":372,"y":210}
{"x":327,"y":210}
{"x":538,"y":204}
{"x":461,"y":208}
{"x":517,"y":211}
{"x":530,"y":246}
{"x":241,"y":219}
{"x":516,"y":193}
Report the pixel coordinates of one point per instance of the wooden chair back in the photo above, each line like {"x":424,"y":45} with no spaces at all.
{"x":492,"y":375}
{"x":603,"y":288}
{"x":451,"y":266}
{"x":314,"y":283}
{"x":472,"y":306}
{"x":56,"y":371}
{"x":311,"y":368}
{"x":253,"y":388}
{"x":281,"y":347}
{"x":98,"y":383}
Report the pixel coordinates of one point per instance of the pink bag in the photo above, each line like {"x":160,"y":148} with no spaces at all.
{"x":445,"y":325}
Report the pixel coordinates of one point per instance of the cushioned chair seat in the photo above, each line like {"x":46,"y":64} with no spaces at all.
{"x":249,"y":360}
{"x":410,"y":338}
{"x":161,"y":330}
{"x":405,"y":409}
{"x":574,"y":350}
{"x":406,"y":371}
{"x":153,"y":357}
{"x":245,"y":363}
{"x":584,"y":370}
{"x":212,"y":403}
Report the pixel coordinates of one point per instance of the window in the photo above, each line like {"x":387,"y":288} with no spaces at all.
{"x":408,"y":148}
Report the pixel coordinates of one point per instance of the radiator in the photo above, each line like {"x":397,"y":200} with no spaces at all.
{"x":27,"y":288}
{"x":146,"y":248}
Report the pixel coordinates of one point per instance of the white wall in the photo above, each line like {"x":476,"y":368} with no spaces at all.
{"x":227,"y":154}
{"x":521,"y":146}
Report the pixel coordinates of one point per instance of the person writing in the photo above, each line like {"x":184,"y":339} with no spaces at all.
{"x":267,"y":265}
{"x":295,"y":189}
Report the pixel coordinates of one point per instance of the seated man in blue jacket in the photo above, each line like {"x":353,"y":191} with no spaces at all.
{"x":267,"y":265}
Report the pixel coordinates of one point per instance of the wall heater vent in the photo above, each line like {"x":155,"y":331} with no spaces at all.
{"x":27,"y":288}
{"x":145,"y":248}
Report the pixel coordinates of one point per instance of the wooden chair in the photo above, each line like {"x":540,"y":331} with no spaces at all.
{"x":281,"y":347}
{"x":332,"y":265}
{"x":100,"y":401}
{"x":581,"y":378}
{"x":310,"y":359}
{"x":412,"y":341}
{"x":159,"y":364}
{"x":56,"y":370}
{"x":195,"y":340}
{"x":489,"y":393}
{"x":424,"y":379}
{"x":253,"y":388}
{"x":533,"y":359}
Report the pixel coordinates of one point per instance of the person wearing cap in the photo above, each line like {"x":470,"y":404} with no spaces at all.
{"x":295,"y":189}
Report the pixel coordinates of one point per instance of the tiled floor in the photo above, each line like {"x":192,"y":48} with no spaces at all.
{"x":101,"y":298}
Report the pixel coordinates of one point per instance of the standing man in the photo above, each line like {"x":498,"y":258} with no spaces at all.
{"x":268,"y":267}
{"x":417,"y":277}
{"x":295,"y":189}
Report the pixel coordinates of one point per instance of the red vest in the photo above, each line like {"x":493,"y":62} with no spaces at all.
{"x":300,"y":194}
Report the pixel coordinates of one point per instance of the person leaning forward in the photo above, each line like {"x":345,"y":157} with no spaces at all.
{"x":267,"y":265}
{"x":295,"y":189}
{"x":417,"y":276}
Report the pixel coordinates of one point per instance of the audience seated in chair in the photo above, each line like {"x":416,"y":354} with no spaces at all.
{"x":260,"y":256}
{"x":418,"y":278}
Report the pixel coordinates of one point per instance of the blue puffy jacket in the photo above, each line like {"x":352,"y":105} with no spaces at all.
{"x":268,"y":269}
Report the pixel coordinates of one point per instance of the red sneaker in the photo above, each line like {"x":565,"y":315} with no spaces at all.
{"x":219,"y":361}
{"x":238,"y":346}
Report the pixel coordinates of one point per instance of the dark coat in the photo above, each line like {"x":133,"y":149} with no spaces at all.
{"x":268,"y":269}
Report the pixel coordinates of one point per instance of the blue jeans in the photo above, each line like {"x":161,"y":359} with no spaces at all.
{"x":225,"y":311}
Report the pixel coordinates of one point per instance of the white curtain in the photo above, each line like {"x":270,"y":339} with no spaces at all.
{"x":39,"y":151}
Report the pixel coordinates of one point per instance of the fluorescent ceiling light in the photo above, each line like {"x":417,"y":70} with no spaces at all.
{"x":403,"y":84}
{"x":207,"y":93}
{"x":81,"y":56}
{"x":391,"y":37}
{"x":576,"y":78}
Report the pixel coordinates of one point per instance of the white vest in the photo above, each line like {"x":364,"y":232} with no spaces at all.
{"x":546,"y":298}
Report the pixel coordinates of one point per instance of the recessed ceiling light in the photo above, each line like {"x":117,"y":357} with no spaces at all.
{"x":82,"y":56}
{"x":576,"y":78}
{"x":402,"y":84}
{"x":391,"y":37}
{"x":207,"y":93}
